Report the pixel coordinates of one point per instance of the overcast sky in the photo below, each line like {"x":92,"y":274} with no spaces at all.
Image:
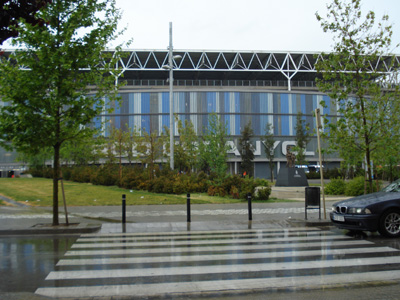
{"x":267,"y":25}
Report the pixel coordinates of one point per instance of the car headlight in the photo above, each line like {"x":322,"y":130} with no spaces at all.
{"x":358,"y":211}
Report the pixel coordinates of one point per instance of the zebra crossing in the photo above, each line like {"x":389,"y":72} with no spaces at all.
{"x":174,"y":263}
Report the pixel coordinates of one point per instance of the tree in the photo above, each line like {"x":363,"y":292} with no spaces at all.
{"x":302,"y":139}
{"x":150,"y":150}
{"x":186,"y":150}
{"x":118,"y":140}
{"x":213,"y":149}
{"x":246,"y":150}
{"x":269,"y":144}
{"x":37,"y":160}
{"x":47,"y":100}
{"x":353,"y":76}
{"x":81,"y":152}
{"x":12,"y":11}
{"x":131,"y":144}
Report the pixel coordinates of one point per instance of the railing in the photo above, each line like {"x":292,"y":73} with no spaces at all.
{"x":221,"y":83}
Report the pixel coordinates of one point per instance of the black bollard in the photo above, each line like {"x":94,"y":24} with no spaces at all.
{"x":188,"y":208}
{"x":249,"y":206}
{"x":123,"y":208}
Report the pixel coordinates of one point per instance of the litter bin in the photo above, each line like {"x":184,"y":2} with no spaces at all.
{"x":313,"y":200}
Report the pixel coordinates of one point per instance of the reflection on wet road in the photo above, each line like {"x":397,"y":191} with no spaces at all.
{"x":25,"y":262}
{"x":155,"y":264}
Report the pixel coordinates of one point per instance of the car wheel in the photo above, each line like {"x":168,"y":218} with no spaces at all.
{"x":390,"y":223}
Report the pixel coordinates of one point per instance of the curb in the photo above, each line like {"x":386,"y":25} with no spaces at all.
{"x":12,"y":202}
{"x":311,"y":223}
{"x":77,"y":228}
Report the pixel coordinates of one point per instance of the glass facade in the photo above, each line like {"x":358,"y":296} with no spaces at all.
{"x":150,"y":110}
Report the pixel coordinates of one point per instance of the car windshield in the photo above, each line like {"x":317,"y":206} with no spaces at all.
{"x":393,"y":187}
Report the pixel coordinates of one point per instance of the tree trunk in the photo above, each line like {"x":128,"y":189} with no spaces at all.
{"x":369,"y":171}
{"x":367,"y":148}
{"x":56,"y":169}
{"x":272,"y":170}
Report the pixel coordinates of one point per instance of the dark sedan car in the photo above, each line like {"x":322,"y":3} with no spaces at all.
{"x":373,"y":212}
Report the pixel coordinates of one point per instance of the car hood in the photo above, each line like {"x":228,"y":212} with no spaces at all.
{"x":365,"y":200}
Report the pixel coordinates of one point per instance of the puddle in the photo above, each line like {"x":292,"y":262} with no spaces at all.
{"x":25,"y":262}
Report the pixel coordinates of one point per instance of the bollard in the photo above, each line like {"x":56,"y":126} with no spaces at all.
{"x":188,"y":208}
{"x":123,"y":208}
{"x":249,"y":206}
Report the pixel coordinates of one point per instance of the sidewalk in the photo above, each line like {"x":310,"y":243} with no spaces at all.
{"x":17,"y":218}
{"x":145,"y":218}
{"x":25,"y":220}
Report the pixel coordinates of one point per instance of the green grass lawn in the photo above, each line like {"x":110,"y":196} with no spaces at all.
{"x":38,"y":192}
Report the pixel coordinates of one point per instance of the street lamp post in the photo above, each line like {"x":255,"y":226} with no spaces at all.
{"x":170,"y":67}
{"x":171,"y":100}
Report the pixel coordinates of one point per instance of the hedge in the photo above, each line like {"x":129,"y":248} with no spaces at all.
{"x":163,"y":180}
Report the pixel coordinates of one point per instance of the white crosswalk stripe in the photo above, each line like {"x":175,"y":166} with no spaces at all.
{"x":156,"y":264}
{"x":219,"y":257}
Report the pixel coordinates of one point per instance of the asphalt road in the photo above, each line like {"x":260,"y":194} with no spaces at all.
{"x":28,"y":260}
{"x":278,"y":242}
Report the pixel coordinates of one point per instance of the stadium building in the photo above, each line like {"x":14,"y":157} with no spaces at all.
{"x":240,"y":86}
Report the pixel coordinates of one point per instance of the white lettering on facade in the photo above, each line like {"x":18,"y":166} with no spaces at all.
{"x":232,"y":148}
{"x":257,"y":151}
{"x":293,"y":143}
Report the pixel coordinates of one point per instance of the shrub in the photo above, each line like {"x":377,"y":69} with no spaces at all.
{"x":262,"y":193}
{"x":247,"y":187}
{"x":36,"y":171}
{"x":66,"y":173}
{"x":238,"y":188}
{"x":355,"y":187}
{"x":179,"y":187}
{"x":133,"y":178}
{"x":48,"y":172}
{"x":107,"y":175}
{"x":201,"y":176}
{"x":336,"y":186}
{"x":216,"y":191}
{"x":160,"y":185}
{"x":234,"y":192}
{"x":232,"y":181}
{"x":82,"y":174}
{"x":201,"y":182}
{"x":211,"y":190}
{"x":332,"y":173}
{"x":164,"y":181}
{"x":261,"y":182}
{"x":220,"y":191}
{"x":175,"y":183}
{"x":313,"y":175}
{"x":144,"y":185}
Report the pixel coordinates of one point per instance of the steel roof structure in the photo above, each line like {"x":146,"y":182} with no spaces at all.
{"x":197,"y":65}
{"x":233,"y":65}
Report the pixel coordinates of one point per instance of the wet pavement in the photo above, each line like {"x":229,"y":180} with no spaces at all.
{"x":26,"y":261}
{"x":220,"y":254}
{"x":217,"y":262}
{"x":16,"y":217}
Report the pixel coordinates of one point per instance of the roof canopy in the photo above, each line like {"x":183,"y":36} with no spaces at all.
{"x":230,"y":65}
